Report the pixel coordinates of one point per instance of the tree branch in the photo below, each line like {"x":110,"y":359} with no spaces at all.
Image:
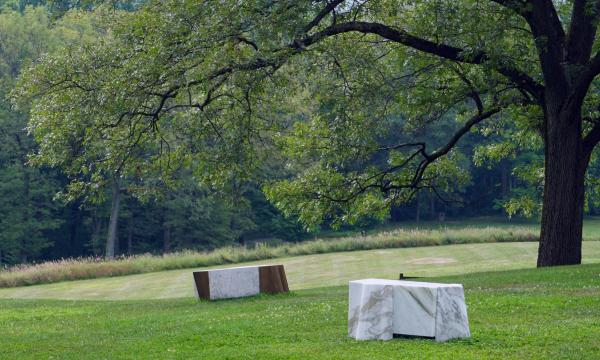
{"x":582,"y":31}
{"x":549,"y":36}
{"x":379,"y":181}
{"x":591,"y":140}
{"x":583,"y":82}
{"x":550,"y":39}
{"x":324,"y":12}
{"x":462,"y":131}
{"x":518,"y":6}
{"x":442,"y":50}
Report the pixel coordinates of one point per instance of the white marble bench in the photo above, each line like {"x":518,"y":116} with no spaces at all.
{"x":379,"y":308}
{"x":240,"y":281}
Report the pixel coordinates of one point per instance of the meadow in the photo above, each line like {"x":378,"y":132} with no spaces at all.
{"x":312,"y":271}
{"x":399,"y":236}
{"x":515,"y":310}
{"x":403,"y":235}
{"x":534,"y":313}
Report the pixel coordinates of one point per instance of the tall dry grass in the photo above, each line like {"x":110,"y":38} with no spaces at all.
{"x":88,"y":268}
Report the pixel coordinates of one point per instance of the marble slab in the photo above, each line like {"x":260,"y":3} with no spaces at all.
{"x":233,"y":282}
{"x":370,"y":312}
{"x":418,"y":313}
{"x":451,"y":321}
{"x":380,"y":308}
{"x":240,"y":282}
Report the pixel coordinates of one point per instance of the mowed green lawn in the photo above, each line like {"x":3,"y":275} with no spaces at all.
{"x":313,"y":271}
{"x":515,"y":311}
{"x":519,"y":314}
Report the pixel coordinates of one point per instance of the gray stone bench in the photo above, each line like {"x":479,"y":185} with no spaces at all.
{"x":379,"y":309}
{"x":240,"y":282}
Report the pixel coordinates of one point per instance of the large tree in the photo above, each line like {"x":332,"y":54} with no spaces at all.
{"x":339,"y":75}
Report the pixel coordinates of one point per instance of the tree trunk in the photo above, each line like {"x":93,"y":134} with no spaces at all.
{"x":74,"y":224}
{"x":418,"y":211}
{"x":114,"y":216}
{"x":130,"y":236}
{"x":505,"y":178}
{"x":166,"y":236}
{"x":26,"y":215}
{"x":591,"y":209}
{"x":432,"y":206}
{"x":562,"y":213}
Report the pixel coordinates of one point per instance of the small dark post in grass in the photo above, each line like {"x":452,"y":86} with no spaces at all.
{"x":402,"y":277}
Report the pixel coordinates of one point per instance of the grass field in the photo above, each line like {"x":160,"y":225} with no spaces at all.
{"x":313,"y":271}
{"x":480,"y":230}
{"x":515,"y":311}
{"x":519,"y":314}
{"x":400,"y":237}
{"x":591,"y":227}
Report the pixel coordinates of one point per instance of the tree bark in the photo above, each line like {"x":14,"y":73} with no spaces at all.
{"x":562,"y":214}
{"x":504,"y":178}
{"x":166,"y":238}
{"x":74,"y":224}
{"x":418,"y":211}
{"x":26,"y":215}
{"x":114,"y":216}
{"x":130,"y":236}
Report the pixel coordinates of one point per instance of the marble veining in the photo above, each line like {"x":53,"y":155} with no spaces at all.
{"x":451,"y":318}
{"x":380,"y":308}
{"x":370,"y":312}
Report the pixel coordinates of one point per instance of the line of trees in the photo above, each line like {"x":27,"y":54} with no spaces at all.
{"x":154,"y":128}
{"x":38,"y":222}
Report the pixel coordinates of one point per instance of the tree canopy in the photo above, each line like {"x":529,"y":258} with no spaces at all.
{"x":35,"y":225}
{"x":355,"y":95}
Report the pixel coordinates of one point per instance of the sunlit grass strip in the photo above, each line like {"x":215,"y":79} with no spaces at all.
{"x":88,"y":268}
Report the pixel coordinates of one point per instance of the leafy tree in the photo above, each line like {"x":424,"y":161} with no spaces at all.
{"x":58,"y":8}
{"x":33,"y":218}
{"x":26,"y":198}
{"x":213,"y":79}
{"x":34,"y":226}
{"x":196,"y":218}
{"x":28,"y":210}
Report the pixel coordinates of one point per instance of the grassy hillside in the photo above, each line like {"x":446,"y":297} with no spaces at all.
{"x":479,"y":230}
{"x":520,"y":314}
{"x":314,"y":271}
{"x":402,"y":237}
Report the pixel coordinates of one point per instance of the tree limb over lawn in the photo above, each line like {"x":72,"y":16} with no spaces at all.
{"x":217,"y":85}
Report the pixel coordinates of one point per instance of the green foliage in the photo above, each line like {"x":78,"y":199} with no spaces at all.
{"x":155,"y":92}
{"x":219,"y":90}
{"x":37,"y":224}
{"x":58,"y":8}
{"x":516,"y":137}
{"x":205,"y":86}
{"x":28,"y":210}
{"x":202,"y":220}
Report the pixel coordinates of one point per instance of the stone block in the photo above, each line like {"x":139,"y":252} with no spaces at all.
{"x":240,"y":282}
{"x":379,"y":309}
